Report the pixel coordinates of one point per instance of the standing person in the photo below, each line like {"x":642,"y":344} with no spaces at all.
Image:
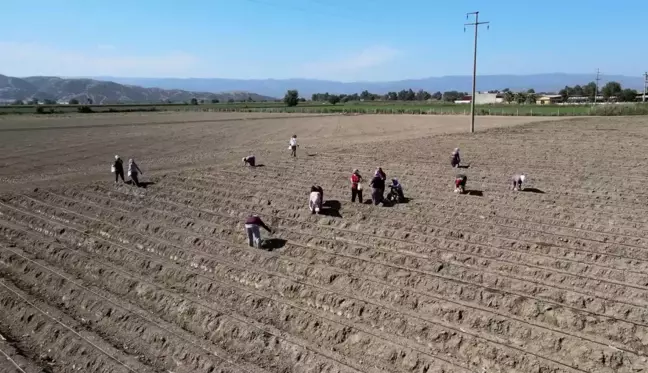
{"x":460,"y":183}
{"x":456,"y":159}
{"x":134,"y":171}
{"x":518,"y":179}
{"x":377,"y":189}
{"x":356,"y":186}
{"x":253,"y":223}
{"x":293,"y":146}
{"x":316,"y":199}
{"x":381,"y":173}
{"x":118,"y":169}
{"x":249,"y":160}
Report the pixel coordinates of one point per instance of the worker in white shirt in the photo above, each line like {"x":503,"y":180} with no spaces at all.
{"x":293,"y":146}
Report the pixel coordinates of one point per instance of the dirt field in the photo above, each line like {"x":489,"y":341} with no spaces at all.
{"x":102,"y":278}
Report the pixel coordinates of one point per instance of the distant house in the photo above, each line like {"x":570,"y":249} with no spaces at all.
{"x":548,"y":99}
{"x":482,"y":98}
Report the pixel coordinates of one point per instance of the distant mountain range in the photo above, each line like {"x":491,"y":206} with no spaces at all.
{"x":306,"y":87}
{"x":104,"y":92}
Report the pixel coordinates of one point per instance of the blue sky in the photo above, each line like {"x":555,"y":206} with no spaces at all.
{"x":350,"y":40}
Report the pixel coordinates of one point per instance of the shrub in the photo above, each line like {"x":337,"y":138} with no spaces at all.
{"x":85,"y":109}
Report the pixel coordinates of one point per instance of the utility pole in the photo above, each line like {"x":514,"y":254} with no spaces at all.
{"x":474,"y":79}
{"x":598,"y":77}
{"x":643,"y":99}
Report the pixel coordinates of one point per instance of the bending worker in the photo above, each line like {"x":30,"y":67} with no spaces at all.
{"x":518,"y":179}
{"x":460,"y":183}
{"x":316,"y":199}
{"x":253,"y":223}
{"x":249,"y":160}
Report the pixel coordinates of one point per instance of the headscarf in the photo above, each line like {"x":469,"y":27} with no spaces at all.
{"x":116,"y":157}
{"x":456,"y":151}
{"x":131,"y":161}
{"x":522,"y":177}
{"x":356,"y":171}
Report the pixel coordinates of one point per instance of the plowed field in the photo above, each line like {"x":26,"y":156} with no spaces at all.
{"x":98,"y":277}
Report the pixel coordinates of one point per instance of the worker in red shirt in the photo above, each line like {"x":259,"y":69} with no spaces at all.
{"x":356,"y":186}
{"x":253,"y":223}
{"x":460,"y":183}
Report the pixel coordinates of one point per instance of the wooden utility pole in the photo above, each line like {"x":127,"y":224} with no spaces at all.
{"x":598,"y":77}
{"x":474,"y":79}
{"x":643,"y":99}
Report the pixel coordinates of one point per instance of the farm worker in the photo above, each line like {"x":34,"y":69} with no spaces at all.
{"x":118,"y":169}
{"x":253,"y":223}
{"x":316,"y":199}
{"x":381,"y":173}
{"x":293,"y":146}
{"x":456,"y":159}
{"x":460,"y":183}
{"x":518,"y":179}
{"x":356,"y":186}
{"x":377,"y":188}
{"x":249,"y":160}
{"x":134,"y":171}
{"x":397,"y":188}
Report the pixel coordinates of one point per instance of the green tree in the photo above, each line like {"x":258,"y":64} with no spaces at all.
{"x":589,"y":90}
{"x":89,"y":101}
{"x":627,"y":95}
{"x":47,"y":101}
{"x":509,"y":96}
{"x":530,"y":90}
{"x":451,"y":96}
{"x":422,"y":95}
{"x":611,"y":89}
{"x":531,"y":98}
{"x":291,"y":98}
{"x":520,"y":97}
{"x":73,"y":101}
{"x":230,"y":101}
{"x":34,"y":101}
{"x":578,"y":91}
{"x":214,"y":101}
{"x":334,"y":99}
{"x":194,"y":101}
{"x":18,"y":102}
{"x":392,"y":96}
{"x":437,"y":96}
{"x":365,"y":95}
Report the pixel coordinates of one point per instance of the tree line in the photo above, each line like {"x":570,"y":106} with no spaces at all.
{"x":608,"y":91}
{"x":403,"y":95}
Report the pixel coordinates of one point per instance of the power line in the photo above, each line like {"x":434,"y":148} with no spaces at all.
{"x":474,"y":80}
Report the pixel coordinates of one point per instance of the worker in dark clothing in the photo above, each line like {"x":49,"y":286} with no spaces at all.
{"x":456,"y":159}
{"x":460,"y":183}
{"x":249,"y":160}
{"x":253,"y":223}
{"x":118,"y":169}
{"x":377,"y":188}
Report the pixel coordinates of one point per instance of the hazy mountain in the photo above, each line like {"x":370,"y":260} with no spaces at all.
{"x":306,"y":87}
{"x":103,"y":92}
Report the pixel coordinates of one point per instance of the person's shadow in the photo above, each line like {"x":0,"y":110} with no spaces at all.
{"x":272,"y":244}
{"x":533,"y":190}
{"x":477,"y":193}
{"x":331,"y":208}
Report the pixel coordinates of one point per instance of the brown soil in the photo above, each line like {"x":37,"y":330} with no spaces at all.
{"x":102,"y":278}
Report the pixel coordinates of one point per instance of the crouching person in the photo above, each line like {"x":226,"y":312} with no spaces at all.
{"x":518,"y":179}
{"x":249,"y":160}
{"x":460,"y":184}
{"x":316,"y":199}
{"x":253,"y":225}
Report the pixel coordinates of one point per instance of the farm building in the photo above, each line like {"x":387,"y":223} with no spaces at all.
{"x":482,"y":98}
{"x":548,"y":99}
